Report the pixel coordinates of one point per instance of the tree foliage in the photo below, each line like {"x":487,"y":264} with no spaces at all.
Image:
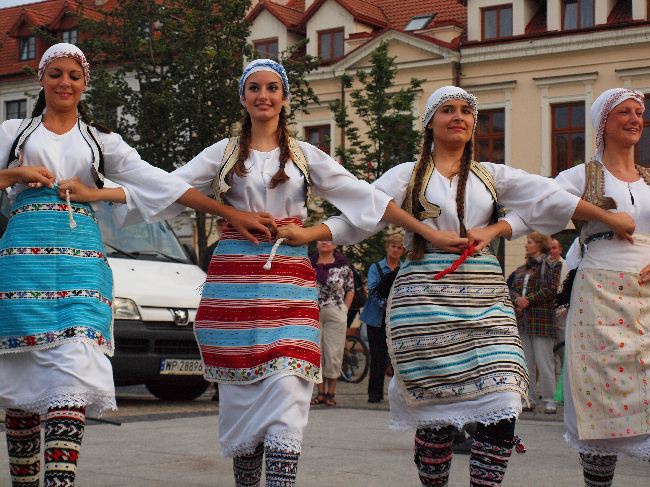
{"x":385,"y":135}
{"x":166,"y":73}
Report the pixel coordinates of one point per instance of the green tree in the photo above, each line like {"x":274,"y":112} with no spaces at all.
{"x":166,"y":74}
{"x":386,"y":137}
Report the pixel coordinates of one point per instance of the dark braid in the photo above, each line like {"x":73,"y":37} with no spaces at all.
{"x":285,"y":154}
{"x":81,"y":108}
{"x":40,"y":104}
{"x":244,"y":146}
{"x":417,"y":251}
{"x":465,"y":164}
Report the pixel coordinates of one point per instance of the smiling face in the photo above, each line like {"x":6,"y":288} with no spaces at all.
{"x":63,"y":83}
{"x":452,"y":123}
{"x":624,"y":124}
{"x":263,"y":96}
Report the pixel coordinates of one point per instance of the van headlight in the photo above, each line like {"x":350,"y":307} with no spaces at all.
{"x":125,"y":309}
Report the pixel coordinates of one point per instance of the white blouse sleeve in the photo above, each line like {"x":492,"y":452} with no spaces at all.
{"x":572,"y":180}
{"x":393,"y":183}
{"x":540,"y":202}
{"x":148,"y":189}
{"x":8,"y":133}
{"x":359,"y":201}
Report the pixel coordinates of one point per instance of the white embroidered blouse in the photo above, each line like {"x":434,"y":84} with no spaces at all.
{"x":358,"y":200}
{"x":632,"y":198}
{"x":537,"y":202}
{"x":68,"y":155}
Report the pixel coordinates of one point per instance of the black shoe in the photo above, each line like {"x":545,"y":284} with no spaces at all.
{"x":375,"y":399}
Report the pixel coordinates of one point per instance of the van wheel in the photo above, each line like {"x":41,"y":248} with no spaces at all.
{"x":177,"y":388}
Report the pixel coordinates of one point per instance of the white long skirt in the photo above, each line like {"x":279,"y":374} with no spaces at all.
{"x":488,"y":409}
{"x":73,"y":374}
{"x":273,"y":411}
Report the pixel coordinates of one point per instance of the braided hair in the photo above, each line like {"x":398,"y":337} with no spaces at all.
{"x":244,"y":148}
{"x":417,"y":250}
{"x":465,"y":164}
{"x":40,"y":105}
{"x":418,"y":245}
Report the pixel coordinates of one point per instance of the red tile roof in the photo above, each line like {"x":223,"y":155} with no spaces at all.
{"x":21,"y":19}
{"x":289,"y":16}
{"x":538,"y":23}
{"x":366,"y":12}
{"x":400,"y":12}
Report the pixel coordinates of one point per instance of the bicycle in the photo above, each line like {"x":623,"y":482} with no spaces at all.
{"x":356,"y":360}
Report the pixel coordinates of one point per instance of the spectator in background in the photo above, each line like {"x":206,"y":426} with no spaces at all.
{"x":360,"y":296}
{"x":335,"y":293}
{"x":532,"y":290}
{"x":222,"y":223}
{"x":555,"y":257}
{"x":374,"y":316}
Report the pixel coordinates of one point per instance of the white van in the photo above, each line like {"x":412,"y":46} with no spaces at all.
{"x":156,"y":294}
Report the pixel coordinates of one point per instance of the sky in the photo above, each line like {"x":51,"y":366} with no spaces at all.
{"x":11,"y":3}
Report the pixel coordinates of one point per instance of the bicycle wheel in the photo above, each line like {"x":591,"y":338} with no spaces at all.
{"x":356,"y":360}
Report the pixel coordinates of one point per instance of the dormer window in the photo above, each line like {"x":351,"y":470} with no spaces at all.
{"x":578,"y":14}
{"x":330,"y":44}
{"x":267,"y":48}
{"x":419,"y":22}
{"x":496,"y":22}
{"x":69,"y":36}
{"x":27,"y":48}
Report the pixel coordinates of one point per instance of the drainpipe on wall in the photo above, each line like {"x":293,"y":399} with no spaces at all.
{"x":456,"y":66}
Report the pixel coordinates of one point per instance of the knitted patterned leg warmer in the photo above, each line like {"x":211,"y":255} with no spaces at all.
{"x":488,"y":461}
{"x":248,"y":468}
{"x":433,"y":455}
{"x":24,"y":447}
{"x":64,"y":430}
{"x":281,"y":467}
{"x":598,"y":469}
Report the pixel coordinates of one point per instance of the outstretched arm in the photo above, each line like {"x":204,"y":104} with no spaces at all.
{"x":244,"y":222}
{"x":450,"y":241}
{"x":622,"y":223}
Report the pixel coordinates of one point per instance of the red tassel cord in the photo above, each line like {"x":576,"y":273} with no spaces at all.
{"x":457,"y":263}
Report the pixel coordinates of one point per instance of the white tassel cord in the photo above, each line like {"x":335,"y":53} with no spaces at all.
{"x":277,"y":243}
{"x":73,"y":224}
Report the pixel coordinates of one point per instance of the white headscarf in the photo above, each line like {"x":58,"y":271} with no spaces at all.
{"x":63,"y":49}
{"x":604,"y":104}
{"x":264,"y":65}
{"x":444,"y":94}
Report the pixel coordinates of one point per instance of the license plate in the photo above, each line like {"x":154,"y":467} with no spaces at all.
{"x":173,"y":366}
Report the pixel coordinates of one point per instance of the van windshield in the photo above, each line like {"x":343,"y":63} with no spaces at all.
{"x":143,"y":241}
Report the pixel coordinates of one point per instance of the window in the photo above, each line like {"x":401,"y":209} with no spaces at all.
{"x":578,"y":14}
{"x":27,"y":48}
{"x":419,"y":22}
{"x":267,"y":48}
{"x":319,"y":136}
{"x":642,"y":149}
{"x":16,"y":109}
{"x":568,"y":135}
{"x":489,"y":142}
{"x":330,"y":44}
{"x":496,"y":22}
{"x":69,"y":36}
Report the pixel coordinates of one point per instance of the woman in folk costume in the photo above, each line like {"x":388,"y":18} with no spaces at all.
{"x":55,"y":282}
{"x":454,"y":342}
{"x":607,"y":397}
{"x":257,"y":323}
